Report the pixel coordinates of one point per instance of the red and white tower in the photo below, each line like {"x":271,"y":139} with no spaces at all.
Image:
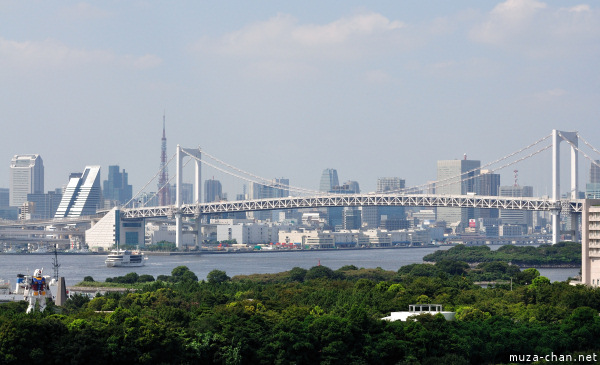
{"x":164,"y":196}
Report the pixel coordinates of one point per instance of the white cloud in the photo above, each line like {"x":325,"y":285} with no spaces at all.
{"x":579,"y":8}
{"x":507,"y":20}
{"x":282,"y":48}
{"x":344,"y":29}
{"x":538,"y":30}
{"x":52,"y":54}
{"x":282,"y":37}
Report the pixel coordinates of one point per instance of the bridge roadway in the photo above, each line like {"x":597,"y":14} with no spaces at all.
{"x":352,"y":200}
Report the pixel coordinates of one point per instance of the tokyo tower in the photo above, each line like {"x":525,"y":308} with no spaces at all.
{"x":164,"y":196}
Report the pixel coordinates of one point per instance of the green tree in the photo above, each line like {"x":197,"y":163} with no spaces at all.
{"x":320,"y":272}
{"x":217,"y":277}
{"x":183,"y":273}
{"x":297,"y":274}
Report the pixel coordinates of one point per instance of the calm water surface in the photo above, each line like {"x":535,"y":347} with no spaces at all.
{"x":75,"y":267}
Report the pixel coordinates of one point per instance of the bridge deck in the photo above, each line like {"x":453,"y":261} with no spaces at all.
{"x":353,"y":200}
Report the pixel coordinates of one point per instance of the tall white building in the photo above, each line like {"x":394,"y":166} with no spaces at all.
{"x":590,"y":243}
{"x":82,"y":196}
{"x":26,"y":177}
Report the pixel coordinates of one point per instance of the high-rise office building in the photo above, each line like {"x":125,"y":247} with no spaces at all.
{"x":278,"y":188}
{"x":456,"y":177}
{"x":26,"y":177}
{"x":516,"y":217}
{"x":353,"y":186}
{"x":117,"y":188}
{"x":45,"y":205}
{"x":83,"y":195}
{"x":329,"y":179}
{"x":187,"y":193}
{"x":592,"y":189}
{"x":349,"y":187}
{"x":390,"y":185}
{"x":487,"y":184}
{"x":595,"y":172}
{"x":213,"y":192}
{"x":4,"y":197}
{"x":351,"y":218}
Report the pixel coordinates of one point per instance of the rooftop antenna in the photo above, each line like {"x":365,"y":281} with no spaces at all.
{"x":516,"y":177}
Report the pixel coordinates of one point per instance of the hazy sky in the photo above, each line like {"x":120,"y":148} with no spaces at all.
{"x":287,"y":89}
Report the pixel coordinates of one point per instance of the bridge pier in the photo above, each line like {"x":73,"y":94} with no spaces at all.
{"x":557,"y":137}
{"x":196,"y":155}
{"x":178,"y":230}
{"x":555,"y":226}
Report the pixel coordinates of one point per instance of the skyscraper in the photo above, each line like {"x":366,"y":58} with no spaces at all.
{"x":592,"y":190}
{"x":213,"y":191}
{"x":512,"y":216}
{"x":45,"y":205}
{"x":595,"y":172}
{"x":164,"y":196}
{"x":117,"y":188}
{"x":278,"y":188}
{"x":456,"y":177}
{"x":26,"y":177}
{"x":487,"y":184}
{"x":82,"y":195}
{"x":329,"y":179}
{"x":390,"y":185}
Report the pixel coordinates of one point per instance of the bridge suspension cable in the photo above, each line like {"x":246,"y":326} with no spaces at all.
{"x":449,"y":180}
{"x":580,"y":151}
{"x":148,"y":183}
{"x":501,"y":167}
{"x":260,"y":180}
{"x":588,"y":144}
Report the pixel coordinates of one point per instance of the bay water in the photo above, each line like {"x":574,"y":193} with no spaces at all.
{"x":74,"y":267}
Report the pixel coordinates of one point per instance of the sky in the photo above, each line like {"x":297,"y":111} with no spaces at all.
{"x":287,"y":89}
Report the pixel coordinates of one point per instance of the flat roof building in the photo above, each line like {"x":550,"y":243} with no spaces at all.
{"x":26,"y":177}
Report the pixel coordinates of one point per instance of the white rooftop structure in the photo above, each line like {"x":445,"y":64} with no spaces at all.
{"x":416,"y":309}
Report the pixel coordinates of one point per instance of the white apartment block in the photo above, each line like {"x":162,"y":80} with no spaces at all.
{"x":590,"y":243}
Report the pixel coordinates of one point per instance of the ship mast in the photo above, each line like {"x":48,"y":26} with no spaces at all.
{"x":55,"y":264}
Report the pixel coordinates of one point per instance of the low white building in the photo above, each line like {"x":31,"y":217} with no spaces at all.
{"x":248,"y":234}
{"x":416,"y":309}
{"x":159,"y":232}
{"x":103,"y":234}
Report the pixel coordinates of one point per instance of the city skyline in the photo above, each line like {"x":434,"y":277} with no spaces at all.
{"x":401,"y":86}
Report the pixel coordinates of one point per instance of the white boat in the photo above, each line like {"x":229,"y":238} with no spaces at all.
{"x":124,"y":258}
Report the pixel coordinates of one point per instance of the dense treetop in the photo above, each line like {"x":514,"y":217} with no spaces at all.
{"x":311,"y":316}
{"x":562,"y":253}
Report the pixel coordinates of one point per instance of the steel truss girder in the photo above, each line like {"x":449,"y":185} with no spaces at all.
{"x":457,"y":201}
